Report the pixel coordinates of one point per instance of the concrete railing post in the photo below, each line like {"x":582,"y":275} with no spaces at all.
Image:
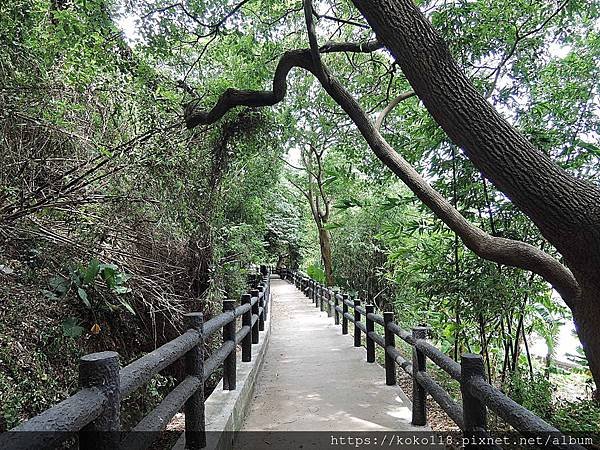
{"x":319,"y":299}
{"x":229,"y":365}
{"x":390,"y":341}
{"x":253,"y":294}
{"x":247,"y":321}
{"x":356,"y":320}
{"x":267,"y":285}
{"x":370,"y":326}
{"x":345,"y":311}
{"x":336,"y":303}
{"x":261,"y":303}
{"x":419,"y":412}
{"x":195,"y":425}
{"x":474,"y":411}
{"x":101,"y":371}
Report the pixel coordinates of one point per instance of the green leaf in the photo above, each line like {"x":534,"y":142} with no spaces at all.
{"x":329,"y":180}
{"x":71,"y":327}
{"x":59,"y":285}
{"x":121,"y":290}
{"x":84,"y":297}
{"x":108,"y":273}
{"x":91,"y":272}
{"x":121,"y":277}
{"x":127,"y":306}
{"x":588,"y":146}
{"x":332,"y":225}
{"x":49,"y":294}
{"x":74,"y":275}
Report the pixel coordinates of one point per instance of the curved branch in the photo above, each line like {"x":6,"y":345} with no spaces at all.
{"x":312,"y":39}
{"x":342,"y":21}
{"x":194,"y":115}
{"x":504,"y":251}
{"x":353,"y":47}
{"x":383,"y":114}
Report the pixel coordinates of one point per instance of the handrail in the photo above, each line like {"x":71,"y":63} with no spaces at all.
{"x":96,"y":406}
{"x":470,"y":417}
{"x":139,"y":372}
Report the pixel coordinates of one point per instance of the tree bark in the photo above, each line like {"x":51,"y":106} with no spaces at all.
{"x":325,"y":244}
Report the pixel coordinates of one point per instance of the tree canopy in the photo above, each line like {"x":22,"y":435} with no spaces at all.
{"x":439,"y":158}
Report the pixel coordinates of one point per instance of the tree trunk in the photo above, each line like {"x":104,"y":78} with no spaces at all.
{"x":325,"y":243}
{"x":565,"y":209}
{"x":586,"y":315}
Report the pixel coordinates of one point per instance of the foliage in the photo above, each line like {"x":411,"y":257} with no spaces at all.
{"x":97,"y":168}
{"x":84,"y":280}
{"x":316,"y":273}
{"x":534,"y":394}
{"x":582,"y":416}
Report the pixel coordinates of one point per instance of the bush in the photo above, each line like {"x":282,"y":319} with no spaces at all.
{"x":582,"y":416}
{"x":535,"y":395}
{"x":316,"y":273}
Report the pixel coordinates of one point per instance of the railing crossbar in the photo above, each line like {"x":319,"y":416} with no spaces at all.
{"x":145,"y":432}
{"x":402,"y":334}
{"x":444,"y":362}
{"x":446,"y":402}
{"x":376,"y":318}
{"x":361,"y":326}
{"x":376,"y":338}
{"x":242,"y":333}
{"x":217,"y":358}
{"x":139,"y":372}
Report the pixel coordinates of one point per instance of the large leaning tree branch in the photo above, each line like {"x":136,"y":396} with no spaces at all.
{"x":496,"y":249}
{"x":565,"y":209}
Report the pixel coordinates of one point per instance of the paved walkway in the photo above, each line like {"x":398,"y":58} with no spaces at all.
{"x":314,"y":379}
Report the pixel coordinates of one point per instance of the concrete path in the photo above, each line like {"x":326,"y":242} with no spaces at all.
{"x":314,"y":379}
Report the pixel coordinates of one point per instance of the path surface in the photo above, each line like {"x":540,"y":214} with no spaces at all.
{"x":314,"y":379}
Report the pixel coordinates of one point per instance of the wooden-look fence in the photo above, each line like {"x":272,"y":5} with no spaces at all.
{"x":94,"y":411}
{"x":477,"y":394}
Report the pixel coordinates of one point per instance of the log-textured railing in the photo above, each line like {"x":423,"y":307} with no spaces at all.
{"x":94,"y":411}
{"x":477,"y":394}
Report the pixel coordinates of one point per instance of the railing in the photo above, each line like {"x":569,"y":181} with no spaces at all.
{"x":94,"y":411}
{"x":477,"y":394}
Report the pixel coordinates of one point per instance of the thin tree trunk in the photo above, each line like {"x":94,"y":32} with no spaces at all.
{"x":529,"y":363}
{"x":325,"y":244}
